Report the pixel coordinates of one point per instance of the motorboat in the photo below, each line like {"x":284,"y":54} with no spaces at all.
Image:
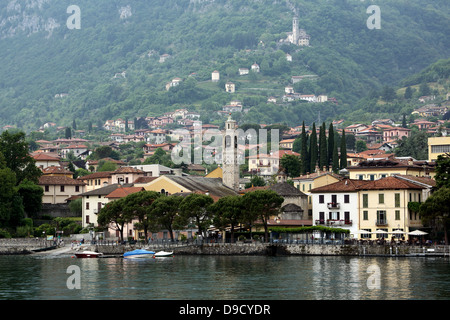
{"x":88,"y":254}
{"x":161,"y":254}
{"x":139,"y":253}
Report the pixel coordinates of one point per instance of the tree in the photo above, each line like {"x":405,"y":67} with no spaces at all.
{"x":31,"y":197}
{"x":313,"y":149}
{"x":388,"y":93}
{"x":16,"y":157}
{"x":196,"y":207}
{"x":415,"y":146}
{"x":228,"y":212}
{"x":361,"y":146}
{"x":291,"y":164}
{"x":138,"y":205}
{"x":256,"y":181}
{"x":330,"y":143}
{"x":106,"y":166}
{"x":343,"y":150}
{"x":261,"y":205}
{"x":323,"y":151}
{"x":7,"y":195}
{"x":164,"y":211}
{"x":424,"y":89}
{"x":68,"y":133}
{"x":408,"y":93}
{"x":435,"y":211}
{"x":114,"y":213}
{"x":404,"y":124}
{"x":335,"y":159}
{"x":443,"y":171}
{"x":304,"y":157}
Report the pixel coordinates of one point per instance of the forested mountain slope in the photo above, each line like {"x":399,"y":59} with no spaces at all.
{"x":42,"y":56}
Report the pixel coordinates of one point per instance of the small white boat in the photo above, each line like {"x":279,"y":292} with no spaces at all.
{"x":139,"y":253}
{"x":161,"y":254}
{"x":88,"y":254}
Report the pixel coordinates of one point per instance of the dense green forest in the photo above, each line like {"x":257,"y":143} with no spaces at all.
{"x":42,"y":58}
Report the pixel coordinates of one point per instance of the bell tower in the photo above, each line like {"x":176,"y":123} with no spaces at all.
{"x":295,"y":29}
{"x":230,"y":163}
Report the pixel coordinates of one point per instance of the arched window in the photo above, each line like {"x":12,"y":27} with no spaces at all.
{"x":227,"y":141}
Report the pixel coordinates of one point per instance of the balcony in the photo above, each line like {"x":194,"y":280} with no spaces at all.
{"x":381,"y":222}
{"x":333,"y":205}
{"x":331,"y":222}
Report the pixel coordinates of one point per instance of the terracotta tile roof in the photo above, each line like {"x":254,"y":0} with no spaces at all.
{"x":59,"y":180}
{"x":122,"y":192}
{"x":425,"y":180}
{"x":128,"y":170}
{"x":96,"y":175}
{"x":353,"y":185}
{"x":56,"y":170}
{"x":44,"y":157}
{"x":145,"y":179}
{"x":315,"y":175}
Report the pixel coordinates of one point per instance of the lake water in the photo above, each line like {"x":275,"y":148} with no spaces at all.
{"x":225,"y":278}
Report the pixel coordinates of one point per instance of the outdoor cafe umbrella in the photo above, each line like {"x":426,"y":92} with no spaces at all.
{"x":362,"y":232}
{"x":417,"y":233}
{"x":378,"y":231}
{"x":398,"y":232}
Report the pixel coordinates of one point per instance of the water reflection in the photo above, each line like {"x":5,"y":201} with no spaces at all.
{"x":226,"y":277}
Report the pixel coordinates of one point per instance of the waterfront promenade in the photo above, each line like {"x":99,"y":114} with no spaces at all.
{"x":114,"y":248}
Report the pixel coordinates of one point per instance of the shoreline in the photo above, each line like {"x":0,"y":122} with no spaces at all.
{"x":243,"y":249}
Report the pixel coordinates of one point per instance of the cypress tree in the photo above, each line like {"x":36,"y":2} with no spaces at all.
{"x":304,"y":150}
{"x":330,"y":143}
{"x":343,"y":158}
{"x":335,"y":167}
{"x":323,"y":153}
{"x":313,"y":149}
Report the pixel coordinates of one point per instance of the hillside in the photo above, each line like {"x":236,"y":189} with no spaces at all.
{"x":111,"y":67}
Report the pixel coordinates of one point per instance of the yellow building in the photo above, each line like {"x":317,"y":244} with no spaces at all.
{"x":375,"y":206}
{"x":384,"y":206}
{"x":377,"y":169}
{"x":438,"y":146}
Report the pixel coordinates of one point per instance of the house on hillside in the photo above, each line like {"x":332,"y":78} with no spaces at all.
{"x":44,"y":160}
{"x":230,"y":87}
{"x":394,"y":134}
{"x":215,"y":76}
{"x":59,"y":188}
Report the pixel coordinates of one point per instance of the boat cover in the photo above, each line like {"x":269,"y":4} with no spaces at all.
{"x":137,"y":252}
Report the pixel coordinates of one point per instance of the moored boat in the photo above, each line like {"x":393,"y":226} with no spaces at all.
{"x":139,"y":253}
{"x":161,"y":254}
{"x":88,"y":254}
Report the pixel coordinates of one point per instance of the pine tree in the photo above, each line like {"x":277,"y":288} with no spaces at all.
{"x":313,"y":149}
{"x":343,"y":157}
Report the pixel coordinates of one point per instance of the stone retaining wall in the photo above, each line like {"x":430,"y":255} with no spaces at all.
{"x":280,"y":249}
